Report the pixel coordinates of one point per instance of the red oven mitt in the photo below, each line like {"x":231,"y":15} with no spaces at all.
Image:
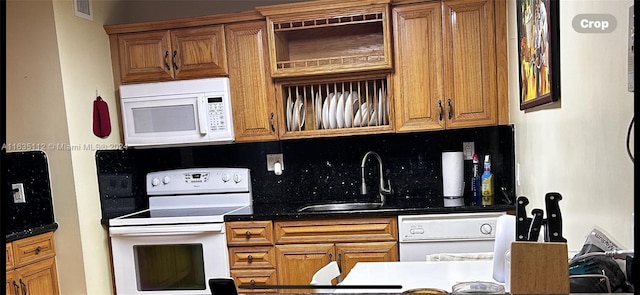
{"x":101,"y":123}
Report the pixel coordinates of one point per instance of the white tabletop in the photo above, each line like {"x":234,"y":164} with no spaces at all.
{"x":416,"y":274}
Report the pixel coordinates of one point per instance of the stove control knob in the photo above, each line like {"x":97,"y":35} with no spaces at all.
{"x":155,"y":181}
{"x":166,"y":180}
{"x":225,"y":177}
{"x":237,"y":178}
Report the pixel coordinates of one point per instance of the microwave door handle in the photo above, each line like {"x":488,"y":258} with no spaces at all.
{"x":202,"y":115}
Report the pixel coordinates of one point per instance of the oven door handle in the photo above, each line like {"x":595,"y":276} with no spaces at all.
{"x":165,"y":230}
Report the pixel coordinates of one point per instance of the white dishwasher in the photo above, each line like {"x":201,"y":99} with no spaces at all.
{"x":422,"y":235}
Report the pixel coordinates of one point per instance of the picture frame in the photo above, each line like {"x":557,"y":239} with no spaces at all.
{"x":538,"y":52}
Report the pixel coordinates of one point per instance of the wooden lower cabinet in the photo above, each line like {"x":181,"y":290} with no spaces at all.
{"x":251,"y":254}
{"x":303,"y":247}
{"x":290,"y":252}
{"x":31,"y":266}
{"x":298,"y":262}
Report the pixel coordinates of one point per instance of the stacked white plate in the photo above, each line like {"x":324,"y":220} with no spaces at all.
{"x":345,"y":110}
{"x":295,"y":113}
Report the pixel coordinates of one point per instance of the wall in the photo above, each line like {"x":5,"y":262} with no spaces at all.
{"x":56,"y":66}
{"x":577,"y":146}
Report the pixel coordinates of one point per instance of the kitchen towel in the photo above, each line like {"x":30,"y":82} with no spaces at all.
{"x":101,"y":122}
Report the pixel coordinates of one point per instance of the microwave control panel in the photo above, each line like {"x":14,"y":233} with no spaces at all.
{"x":217,"y":120}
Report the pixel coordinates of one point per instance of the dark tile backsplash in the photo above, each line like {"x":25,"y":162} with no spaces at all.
{"x":314,"y":169}
{"x":32,"y":170}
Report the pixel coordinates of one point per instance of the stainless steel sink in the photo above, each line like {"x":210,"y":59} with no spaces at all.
{"x":341,"y":207}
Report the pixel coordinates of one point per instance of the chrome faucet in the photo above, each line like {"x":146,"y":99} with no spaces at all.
{"x":383,"y":191}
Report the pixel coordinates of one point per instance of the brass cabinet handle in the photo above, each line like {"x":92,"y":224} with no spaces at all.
{"x":273,"y":128}
{"x":173,"y":59}
{"x":440,"y":110}
{"x":247,"y":235}
{"x":166,"y":63}
{"x":250,"y":258}
{"x":450,"y":108}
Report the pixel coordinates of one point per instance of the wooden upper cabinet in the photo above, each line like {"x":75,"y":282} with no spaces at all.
{"x":470,"y":63}
{"x":252,"y":91}
{"x":448,"y":56}
{"x":328,"y":37}
{"x":418,"y":78}
{"x":164,"y":55}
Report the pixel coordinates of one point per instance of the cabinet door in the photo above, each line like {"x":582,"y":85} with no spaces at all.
{"x":298,"y":262}
{"x":252,"y":92}
{"x":470,"y":91}
{"x":418,"y":79}
{"x":11,"y":283}
{"x":348,"y":254}
{"x":8,"y":252}
{"x":38,"y":278}
{"x":198,"y":52}
{"x":145,"y":56}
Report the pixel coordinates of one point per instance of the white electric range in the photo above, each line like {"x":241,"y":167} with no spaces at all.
{"x":179,"y":243}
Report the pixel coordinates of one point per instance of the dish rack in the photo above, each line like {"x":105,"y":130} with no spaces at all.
{"x":336,"y":106}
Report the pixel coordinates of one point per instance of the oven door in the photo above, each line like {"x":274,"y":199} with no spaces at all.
{"x":168,"y":259}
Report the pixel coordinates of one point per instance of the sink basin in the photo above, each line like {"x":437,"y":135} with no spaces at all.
{"x":341,"y":207}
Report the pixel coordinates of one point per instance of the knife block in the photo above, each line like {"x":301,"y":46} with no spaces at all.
{"x":539,"y":268}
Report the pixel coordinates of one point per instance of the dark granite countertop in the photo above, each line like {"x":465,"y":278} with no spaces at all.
{"x":31,"y":232}
{"x":279,"y":211}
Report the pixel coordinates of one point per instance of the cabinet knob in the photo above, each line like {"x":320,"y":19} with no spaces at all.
{"x":250,"y":258}
{"x":247,"y":234}
{"x":252,"y":282}
{"x":38,"y":250}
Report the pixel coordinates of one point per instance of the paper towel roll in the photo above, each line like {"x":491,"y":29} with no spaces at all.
{"x":452,"y":174}
{"x":505,"y":234}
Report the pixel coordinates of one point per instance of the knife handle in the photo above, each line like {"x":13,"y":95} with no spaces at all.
{"x":522,"y":221}
{"x":534,"y":232}
{"x":554,"y":218}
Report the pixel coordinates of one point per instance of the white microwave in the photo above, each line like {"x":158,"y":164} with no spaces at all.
{"x":186,"y":112}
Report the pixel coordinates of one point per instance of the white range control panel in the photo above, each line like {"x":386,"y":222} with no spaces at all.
{"x":198,"y":181}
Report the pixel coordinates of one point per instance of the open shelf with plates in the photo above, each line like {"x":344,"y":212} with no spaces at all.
{"x":316,"y":37}
{"x":334,"y":107}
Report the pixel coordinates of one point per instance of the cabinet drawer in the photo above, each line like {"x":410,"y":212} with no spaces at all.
{"x":33,"y":249}
{"x":252,"y":257}
{"x":246,"y":233}
{"x":258,"y":277}
{"x":336,"y":230}
{"x":9,"y":256}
